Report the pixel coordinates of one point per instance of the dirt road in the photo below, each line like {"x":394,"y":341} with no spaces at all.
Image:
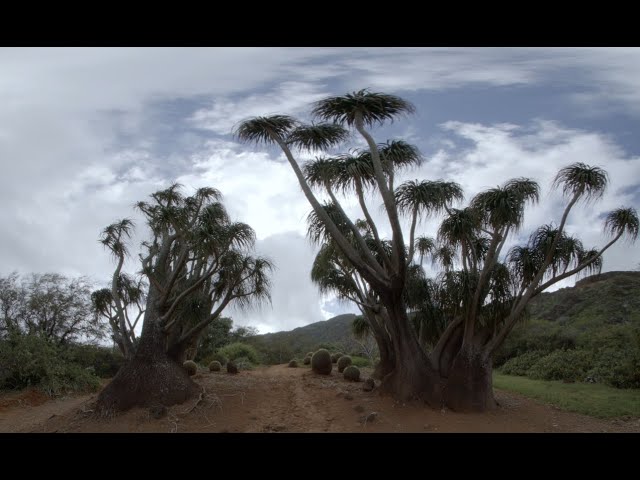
{"x":282,"y":399}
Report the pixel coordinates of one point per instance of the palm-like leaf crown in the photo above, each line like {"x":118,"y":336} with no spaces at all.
{"x":623,"y":221}
{"x":374,"y":108}
{"x":430,"y":197}
{"x":265,"y":130}
{"x":317,"y":137}
{"x":582,"y":180}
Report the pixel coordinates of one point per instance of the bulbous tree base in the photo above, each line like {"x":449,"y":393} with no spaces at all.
{"x":469,"y":387}
{"x":415,"y":383}
{"x":142,"y":383}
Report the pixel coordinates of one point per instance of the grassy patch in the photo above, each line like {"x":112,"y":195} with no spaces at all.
{"x":590,"y":399}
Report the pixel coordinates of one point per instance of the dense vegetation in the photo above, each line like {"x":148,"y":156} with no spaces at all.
{"x":49,"y":334}
{"x":588,"y":333}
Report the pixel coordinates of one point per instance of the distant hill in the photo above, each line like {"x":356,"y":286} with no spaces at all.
{"x":605,"y":299}
{"x":599,"y":306}
{"x":280,"y":347}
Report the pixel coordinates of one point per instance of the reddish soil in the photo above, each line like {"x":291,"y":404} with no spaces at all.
{"x":282,"y":399}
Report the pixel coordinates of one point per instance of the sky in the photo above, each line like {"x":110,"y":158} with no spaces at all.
{"x":87,"y":132}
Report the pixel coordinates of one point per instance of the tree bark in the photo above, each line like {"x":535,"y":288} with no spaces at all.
{"x":469,"y":386}
{"x":413,"y":376}
{"x":150,"y":378}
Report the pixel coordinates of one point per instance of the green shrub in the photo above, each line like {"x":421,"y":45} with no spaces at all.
{"x":562,"y":365}
{"x":307,"y":360}
{"x":293,"y":364}
{"x":321,"y":362}
{"x":244,"y":363}
{"x":360,"y":361}
{"x":29,"y":360}
{"x":521,"y":364}
{"x":104,"y":361}
{"x":215,"y":366}
{"x":343,"y":362}
{"x":617,"y":368}
{"x":191,"y":367}
{"x":236,"y":350}
{"x":352,"y":373}
{"x":215,"y":357}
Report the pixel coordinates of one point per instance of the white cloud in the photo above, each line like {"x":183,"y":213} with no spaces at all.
{"x":79,"y":140}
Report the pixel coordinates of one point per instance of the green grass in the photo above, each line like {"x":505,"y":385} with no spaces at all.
{"x":591,"y":399}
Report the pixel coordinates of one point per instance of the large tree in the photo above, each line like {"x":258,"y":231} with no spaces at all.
{"x":466,"y":313}
{"x":48,"y":305}
{"x":196,"y":263}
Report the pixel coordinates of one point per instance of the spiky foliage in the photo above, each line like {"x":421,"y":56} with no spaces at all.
{"x":197,"y":262}
{"x":427,"y":197}
{"x":215,"y":366}
{"x":265,"y":130}
{"x":321,"y":362}
{"x":622,"y":221}
{"x":293,"y":364}
{"x":317,"y":137}
{"x":504,"y":206}
{"x":190,"y":367}
{"x":336,"y":356}
{"x":343,"y":362}
{"x":360,"y":327}
{"x":352,"y":373}
{"x":373,"y":108}
{"x":583,"y":181}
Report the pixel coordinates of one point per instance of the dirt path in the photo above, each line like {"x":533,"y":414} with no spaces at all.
{"x":282,"y":399}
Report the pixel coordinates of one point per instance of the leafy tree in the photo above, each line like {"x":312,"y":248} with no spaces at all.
{"x":51,"y":306}
{"x":196,"y":263}
{"x":482,"y":291}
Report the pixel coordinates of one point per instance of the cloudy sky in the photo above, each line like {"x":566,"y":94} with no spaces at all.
{"x":86,"y":132}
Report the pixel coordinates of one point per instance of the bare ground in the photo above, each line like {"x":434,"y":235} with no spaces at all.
{"x":282,"y":399}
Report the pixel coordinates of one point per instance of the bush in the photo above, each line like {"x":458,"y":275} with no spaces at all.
{"x":569,"y":365}
{"x":352,"y":373}
{"x":360,"y":361}
{"x":293,"y":364}
{"x":335,"y":357}
{"x":307,"y":360}
{"x":215,"y":357}
{"x":191,"y":367}
{"x":343,"y":362}
{"x":620,"y":369}
{"x":321,"y":362}
{"x":215,"y":366}
{"x":237,"y":350}
{"x":521,"y":364}
{"x":32,"y":361}
{"x":105,"y":361}
{"x":243,"y":363}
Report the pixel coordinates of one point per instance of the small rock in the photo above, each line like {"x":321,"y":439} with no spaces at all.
{"x":427,"y":426}
{"x":158,"y":411}
{"x":348,"y":396}
{"x":359,"y":408}
{"x":369,"y":385}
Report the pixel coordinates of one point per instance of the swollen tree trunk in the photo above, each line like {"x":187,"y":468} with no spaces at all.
{"x":387,"y":358}
{"x":150,"y":378}
{"x":469,"y":385}
{"x":413,"y":376}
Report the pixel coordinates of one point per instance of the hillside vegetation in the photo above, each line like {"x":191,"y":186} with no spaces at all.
{"x":589,"y":332}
